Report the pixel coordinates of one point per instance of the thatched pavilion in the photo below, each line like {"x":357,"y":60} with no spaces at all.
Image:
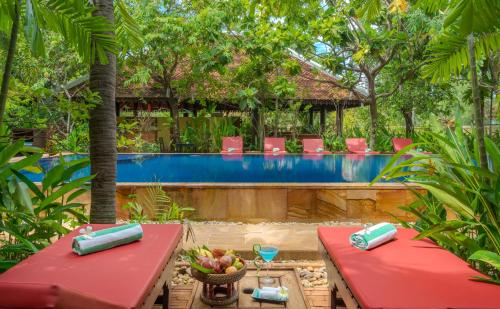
{"x":315,"y":87}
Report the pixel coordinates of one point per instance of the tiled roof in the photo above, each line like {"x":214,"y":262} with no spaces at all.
{"x":312,"y":84}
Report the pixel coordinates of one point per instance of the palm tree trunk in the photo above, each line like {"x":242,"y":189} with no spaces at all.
{"x":9,"y":60}
{"x":476,"y":100}
{"x":102,"y":129}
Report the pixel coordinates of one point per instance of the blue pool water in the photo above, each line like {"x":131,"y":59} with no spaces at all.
{"x":194,"y":168}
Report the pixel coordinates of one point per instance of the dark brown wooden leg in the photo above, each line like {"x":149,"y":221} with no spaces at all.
{"x":166,"y":292}
{"x":333,"y":297}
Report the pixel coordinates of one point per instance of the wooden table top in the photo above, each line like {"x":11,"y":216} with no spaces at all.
{"x":283,"y":277}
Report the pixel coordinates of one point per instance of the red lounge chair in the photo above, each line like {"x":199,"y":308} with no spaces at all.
{"x":358,"y":146}
{"x":312,"y":145}
{"x":399,"y":143}
{"x":233,"y":143}
{"x":403,"y":273}
{"x":274,"y":145}
{"x":129,"y":276}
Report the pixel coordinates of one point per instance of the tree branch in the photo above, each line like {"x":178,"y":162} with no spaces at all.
{"x":402,"y":80}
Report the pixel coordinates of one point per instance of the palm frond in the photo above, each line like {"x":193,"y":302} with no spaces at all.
{"x":32,"y":31}
{"x":476,"y":16}
{"x":91,"y":36}
{"x":7,"y":12}
{"x":449,"y":54}
{"x":432,"y":6}
{"x":370,"y":9}
{"x":128,"y":32}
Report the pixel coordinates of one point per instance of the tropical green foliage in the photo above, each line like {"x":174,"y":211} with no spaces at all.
{"x":239,"y":52}
{"x":72,"y":19}
{"x":155,"y":205}
{"x":460,"y":209}
{"x":32,"y":216}
{"x":206,"y":132}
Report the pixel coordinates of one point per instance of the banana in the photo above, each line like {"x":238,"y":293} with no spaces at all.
{"x":204,"y":252}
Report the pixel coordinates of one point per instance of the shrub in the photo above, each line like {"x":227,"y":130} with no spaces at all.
{"x":460,"y":210}
{"x":33,"y":216}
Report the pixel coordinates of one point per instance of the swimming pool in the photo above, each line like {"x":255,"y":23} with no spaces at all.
{"x":248,"y":168}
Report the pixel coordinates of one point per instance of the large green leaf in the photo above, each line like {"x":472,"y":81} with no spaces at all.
{"x":30,"y":184}
{"x":27,"y":162}
{"x":450,"y":200}
{"x":6,"y":264}
{"x":74,"y":166}
{"x":488,"y":257}
{"x":65,"y":189}
{"x":23,"y":197}
{"x":474,"y":15}
{"x":445,"y":226}
{"x":20,"y":238}
{"x":32,"y":31}
{"x":9,"y":152}
{"x":53,"y":177}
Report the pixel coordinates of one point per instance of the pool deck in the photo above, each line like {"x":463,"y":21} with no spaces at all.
{"x":296,"y":241}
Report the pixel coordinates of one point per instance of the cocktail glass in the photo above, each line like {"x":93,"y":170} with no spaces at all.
{"x":268,"y":253}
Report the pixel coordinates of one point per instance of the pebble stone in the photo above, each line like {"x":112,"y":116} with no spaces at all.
{"x":310,"y":277}
{"x":313,"y":277}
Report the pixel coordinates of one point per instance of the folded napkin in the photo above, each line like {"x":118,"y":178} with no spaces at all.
{"x":373,"y":236}
{"x":90,"y":242}
{"x":319,"y":149}
{"x":276,"y":149}
{"x":231,"y":149}
{"x":271,"y":293}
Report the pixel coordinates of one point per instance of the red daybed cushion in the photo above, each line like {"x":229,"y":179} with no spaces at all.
{"x":117,"y":278}
{"x":406,"y":273}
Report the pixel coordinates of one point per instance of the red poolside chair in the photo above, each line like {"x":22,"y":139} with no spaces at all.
{"x":314,"y":146}
{"x":232,"y":144}
{"x":125,"y":277}
{"x":399,"y":143}
{"x":404,"y":273}
{"x":358,"y":146}
{"x":274,"y":145}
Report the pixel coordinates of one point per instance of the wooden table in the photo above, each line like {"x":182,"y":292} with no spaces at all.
{"x":284,"y":277}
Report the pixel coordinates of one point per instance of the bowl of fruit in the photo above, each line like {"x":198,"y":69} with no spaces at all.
{"x":216,"y":266}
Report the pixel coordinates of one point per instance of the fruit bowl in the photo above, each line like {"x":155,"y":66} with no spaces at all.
{"x":218,"y":270}
{"x":218,"y":279}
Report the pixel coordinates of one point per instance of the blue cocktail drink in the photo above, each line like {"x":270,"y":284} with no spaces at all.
{"x":267,"y":253}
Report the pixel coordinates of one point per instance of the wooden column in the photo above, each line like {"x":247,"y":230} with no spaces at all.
{"x":136,"y":109}
{"x":117,"y":108}
{"x":339,"y":120}
{"x":322,"y":119}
